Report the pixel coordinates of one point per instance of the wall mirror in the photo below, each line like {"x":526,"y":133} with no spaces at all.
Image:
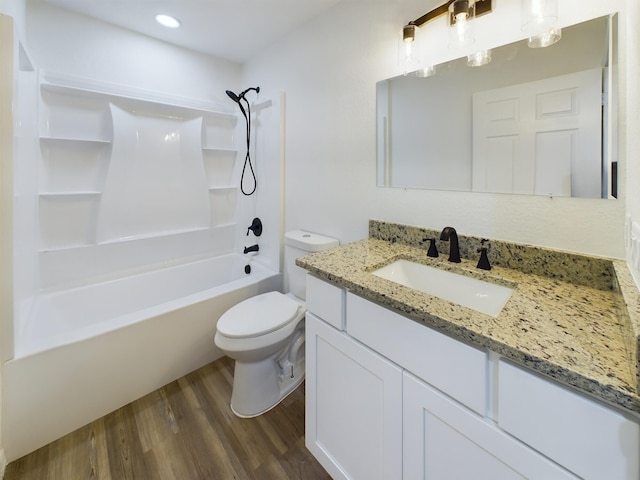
{"x":537,"y":121}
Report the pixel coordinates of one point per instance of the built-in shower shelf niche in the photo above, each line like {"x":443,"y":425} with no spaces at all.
{"x":218,"y":131}
{"x":72,"y":165}
{"x":219,"y":164}
{"x":223,"y":202}
{"x":70,"y":194}
{"x":67,"y":220}
{"x":84,"y":128}
{"x":76,"y":116}
{"x":71,"y":141}
{"x":74,"y":140}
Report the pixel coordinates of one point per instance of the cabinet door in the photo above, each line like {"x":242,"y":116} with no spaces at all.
{"x":443,"y":440}
{"x":353,"y":406}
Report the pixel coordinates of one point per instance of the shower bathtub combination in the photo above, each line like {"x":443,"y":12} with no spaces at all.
{"x":139,"y":227}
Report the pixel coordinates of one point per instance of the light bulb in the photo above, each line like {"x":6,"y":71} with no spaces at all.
{"x":461,"y":26}
{"x":408,"y":51}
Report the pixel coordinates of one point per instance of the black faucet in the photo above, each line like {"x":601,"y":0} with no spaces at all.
{"x":483,"y":263}
{"x":252,"y":248}
{"x":450,"y":235}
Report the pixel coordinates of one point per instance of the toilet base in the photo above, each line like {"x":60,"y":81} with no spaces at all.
{"x":260,"y":386}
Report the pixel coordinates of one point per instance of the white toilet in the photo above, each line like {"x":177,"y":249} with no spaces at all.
{"x":265,"y":335}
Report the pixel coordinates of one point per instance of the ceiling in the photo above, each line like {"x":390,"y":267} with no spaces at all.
{"x":230,"y":29}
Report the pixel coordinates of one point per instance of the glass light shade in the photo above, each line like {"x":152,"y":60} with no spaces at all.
{"x":551,"y":36}
{"x":478,"y":59}
{"x":461,"y":28}
{"x":426,"y":72}
{"x":408,"y":51}
{"x":538,"y":16}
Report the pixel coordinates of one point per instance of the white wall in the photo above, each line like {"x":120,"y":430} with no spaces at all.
{"x":329,"y":69}
{"x":65,"y":42}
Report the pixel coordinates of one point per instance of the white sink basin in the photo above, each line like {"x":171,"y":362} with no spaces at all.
{"x":469,"y":292}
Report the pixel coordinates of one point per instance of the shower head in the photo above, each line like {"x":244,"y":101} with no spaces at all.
{"x":237,"y":98}
{"x":233,"y":96}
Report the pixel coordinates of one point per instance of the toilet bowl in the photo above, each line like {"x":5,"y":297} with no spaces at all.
{"x":265,"y":336}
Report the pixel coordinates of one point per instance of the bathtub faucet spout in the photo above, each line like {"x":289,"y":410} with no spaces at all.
{"x":252,"y":248}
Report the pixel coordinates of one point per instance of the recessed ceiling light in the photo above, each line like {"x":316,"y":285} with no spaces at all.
{"x":167,"y":20}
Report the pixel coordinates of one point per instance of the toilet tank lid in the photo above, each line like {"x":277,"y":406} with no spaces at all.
{"x":258,"y":315}
{"x":310,"y":242}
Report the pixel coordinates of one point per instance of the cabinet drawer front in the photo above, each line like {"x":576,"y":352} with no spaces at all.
{"x":326,"y":301}
{"x":586,"y":437}
{"x":457,"y":369}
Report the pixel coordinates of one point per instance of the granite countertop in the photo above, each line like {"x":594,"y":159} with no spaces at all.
{"x":583,"y":336}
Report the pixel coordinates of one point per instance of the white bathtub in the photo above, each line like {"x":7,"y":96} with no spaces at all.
{"x":87,"y":351}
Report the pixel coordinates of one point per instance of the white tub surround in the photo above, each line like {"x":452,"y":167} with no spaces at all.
{"x":129,"y":178}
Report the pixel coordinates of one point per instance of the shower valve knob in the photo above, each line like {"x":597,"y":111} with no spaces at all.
{"x":255,"y":227}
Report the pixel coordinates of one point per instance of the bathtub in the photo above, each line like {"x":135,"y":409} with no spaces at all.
{"x":87,"y":351}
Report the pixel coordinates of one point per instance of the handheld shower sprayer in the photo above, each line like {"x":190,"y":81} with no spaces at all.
{"x":247,"y":117}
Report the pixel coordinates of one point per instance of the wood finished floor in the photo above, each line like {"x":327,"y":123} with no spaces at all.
{"x":183,"y":431}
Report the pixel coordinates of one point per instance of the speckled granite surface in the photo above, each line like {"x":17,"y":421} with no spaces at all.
{"x":573,"y":318}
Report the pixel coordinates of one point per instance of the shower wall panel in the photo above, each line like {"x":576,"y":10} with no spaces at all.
{"x":129,"y":180}
{"x":156,"y":179}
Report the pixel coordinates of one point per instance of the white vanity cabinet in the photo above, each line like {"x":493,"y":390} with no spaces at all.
{"x":389,"y":398}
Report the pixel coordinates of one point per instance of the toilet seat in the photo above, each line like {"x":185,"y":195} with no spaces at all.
{"x":258,"y":315}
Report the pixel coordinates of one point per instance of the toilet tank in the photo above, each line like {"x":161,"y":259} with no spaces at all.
{"x":298,"y":243}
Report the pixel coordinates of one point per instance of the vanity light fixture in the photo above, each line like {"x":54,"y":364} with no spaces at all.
{"x":167,"y":20}
{"x":459,"y":15}
{"x":539,"y":18}
{"x":481,"y":7}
